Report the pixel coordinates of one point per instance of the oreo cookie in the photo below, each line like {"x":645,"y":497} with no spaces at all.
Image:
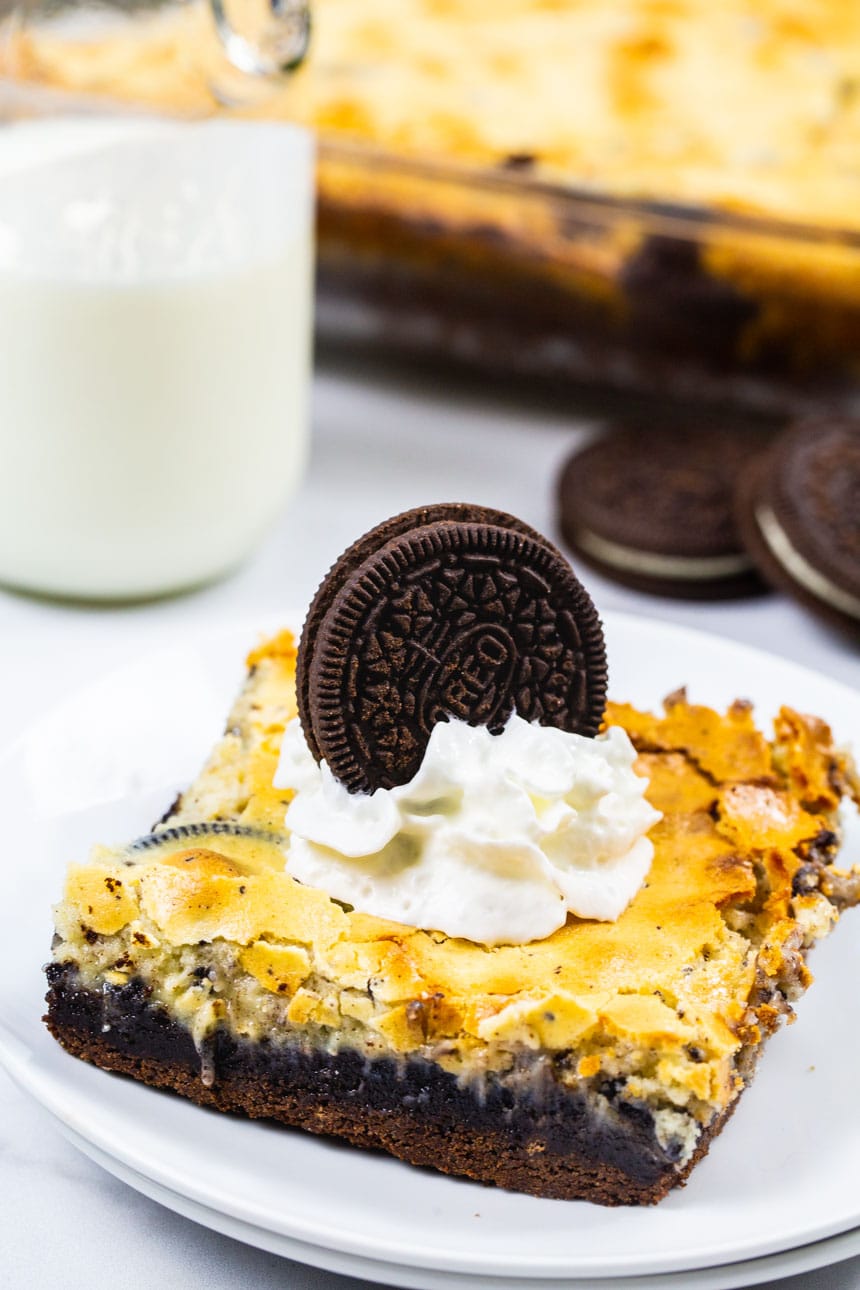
{"x":352,"y":559}
{"x":446,"y":612}
{"x":799,"y":511}
{"x":654,"y":510}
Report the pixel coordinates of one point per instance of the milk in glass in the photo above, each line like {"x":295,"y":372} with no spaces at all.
{"x":155,"y":302}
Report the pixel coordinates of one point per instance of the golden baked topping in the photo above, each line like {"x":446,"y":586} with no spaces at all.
{"x":628,"y":97}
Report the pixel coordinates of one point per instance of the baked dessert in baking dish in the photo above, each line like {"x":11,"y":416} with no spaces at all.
{"x":596,"y":1062}
{"x":627,"y":97}
{"x":652,"y":195}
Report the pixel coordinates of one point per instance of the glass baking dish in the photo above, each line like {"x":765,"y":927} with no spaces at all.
{"x":500,"y":270}
{"x":496,"y":267}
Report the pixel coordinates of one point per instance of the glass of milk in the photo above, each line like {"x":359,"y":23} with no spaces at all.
{"x":155,"y":318}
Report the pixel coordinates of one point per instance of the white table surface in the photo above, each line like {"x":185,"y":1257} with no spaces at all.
{"x":382,"y":442}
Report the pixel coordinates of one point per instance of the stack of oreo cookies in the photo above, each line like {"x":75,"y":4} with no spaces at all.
{"x":710,"y":515}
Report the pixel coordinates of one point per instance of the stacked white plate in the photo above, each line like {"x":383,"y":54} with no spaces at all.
{"x":778,"y":1194}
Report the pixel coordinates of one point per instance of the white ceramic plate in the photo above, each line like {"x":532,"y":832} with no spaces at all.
{"x":786,"y":1172}
{"x":728,"y":1276}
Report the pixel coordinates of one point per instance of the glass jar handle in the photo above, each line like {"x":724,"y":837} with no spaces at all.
{"x":281,"y":44}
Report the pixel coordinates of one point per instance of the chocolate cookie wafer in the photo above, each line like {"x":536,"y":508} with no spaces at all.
{"x":655,"y":509}
{"x":353,"y":557}
{"x":459,"y":618}
{"x":799,"y":511}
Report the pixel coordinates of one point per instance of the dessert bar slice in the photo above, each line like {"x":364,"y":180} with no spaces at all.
{"x":597,"y":1063}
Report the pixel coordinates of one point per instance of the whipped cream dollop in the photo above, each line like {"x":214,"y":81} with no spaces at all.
{"x":495,"y":839}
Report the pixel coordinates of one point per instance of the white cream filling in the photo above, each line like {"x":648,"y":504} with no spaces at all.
{"x":497,"y":838}
{"x":631,"y":560}
{"x":818,"y":584}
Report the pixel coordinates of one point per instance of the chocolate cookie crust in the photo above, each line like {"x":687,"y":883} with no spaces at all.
{"x":655,"y":509}
{"x":546,"y":1142}
{"x":464,"y":620}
